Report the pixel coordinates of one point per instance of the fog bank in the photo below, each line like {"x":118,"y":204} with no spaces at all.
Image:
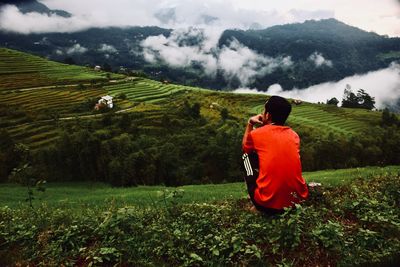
{"x":382,"y":84}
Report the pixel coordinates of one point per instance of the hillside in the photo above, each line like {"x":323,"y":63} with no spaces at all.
{"x":171,"y":135}
{"x":19,"y":70}
{"x":163,"y":124}
{"x":36,"y":90}
{"x":342,"y":50}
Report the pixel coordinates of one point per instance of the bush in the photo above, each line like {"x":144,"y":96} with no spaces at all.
{"x":337,"y":226}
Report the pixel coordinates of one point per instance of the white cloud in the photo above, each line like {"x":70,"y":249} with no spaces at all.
{"x":11,"y":19}
{"x":108,"y":49}
{"x":371,"y":15}
{"x":319,"y":60}
{"x":239,"y":61}
{"x":76,"y":49}
{"x":235,"y":61}
{"x":382,"y":84}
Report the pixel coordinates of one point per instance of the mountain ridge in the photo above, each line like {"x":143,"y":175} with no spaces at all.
{"x":341,"y":50}
{"x":27,"y":6}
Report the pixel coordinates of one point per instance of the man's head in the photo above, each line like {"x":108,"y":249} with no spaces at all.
{"x":278,"y":109}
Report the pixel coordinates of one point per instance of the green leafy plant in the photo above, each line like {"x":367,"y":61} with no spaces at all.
{"x":24,"y":175}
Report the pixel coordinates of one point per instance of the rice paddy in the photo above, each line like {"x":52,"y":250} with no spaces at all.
{"x":36,"y":92}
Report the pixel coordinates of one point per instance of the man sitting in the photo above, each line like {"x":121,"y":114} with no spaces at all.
{"x":279,"y":183}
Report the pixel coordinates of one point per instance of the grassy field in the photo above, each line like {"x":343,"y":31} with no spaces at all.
{"x":76,"y":195}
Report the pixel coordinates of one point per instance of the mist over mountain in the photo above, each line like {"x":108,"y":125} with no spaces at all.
{"x":26,"y":6}
{"x":293,"y":56}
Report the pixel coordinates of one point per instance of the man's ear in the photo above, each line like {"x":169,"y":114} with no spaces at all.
{"x":268,"y":117}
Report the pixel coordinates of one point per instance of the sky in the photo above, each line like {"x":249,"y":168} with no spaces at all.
{"x":382,"y":17}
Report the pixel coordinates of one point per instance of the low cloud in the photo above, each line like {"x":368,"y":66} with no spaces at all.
{"x":214,"y":13}
{"x":382,"y":84}
{"x":319,"y":60}
{"x":76,"y":49}
{"x":13,"y":20}
{"x":196,"y":46}
{"x":108,"y":49}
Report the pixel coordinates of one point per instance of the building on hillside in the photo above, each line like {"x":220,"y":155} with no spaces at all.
{"x":97,"y":68}
{"x":106,"y":101}
{"x":297,"y":102}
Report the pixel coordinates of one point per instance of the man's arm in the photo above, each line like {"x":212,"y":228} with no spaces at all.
{"x":247,"y":142}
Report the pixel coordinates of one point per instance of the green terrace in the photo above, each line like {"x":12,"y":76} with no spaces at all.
{"x":21,"y":70}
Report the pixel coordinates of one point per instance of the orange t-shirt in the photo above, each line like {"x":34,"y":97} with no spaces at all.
{"x":279,"y":183}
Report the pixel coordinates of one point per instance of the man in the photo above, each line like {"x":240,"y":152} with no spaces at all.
{"x":280,"y":183}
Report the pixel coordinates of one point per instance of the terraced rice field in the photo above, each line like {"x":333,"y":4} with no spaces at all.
{"x":60,"y":101}
{"x":331,"y":119}
{"x":28,"y":119}
{"x":30,"y":98}
{"x":21,"y":70}
{"x":34,"y":135}
{"x":143,"y":90}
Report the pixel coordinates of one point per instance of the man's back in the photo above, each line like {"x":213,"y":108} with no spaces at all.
{"x":280,"y":183}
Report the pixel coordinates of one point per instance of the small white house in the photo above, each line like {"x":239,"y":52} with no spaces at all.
{"x":97,"y":68}
{"x":106,"y":100}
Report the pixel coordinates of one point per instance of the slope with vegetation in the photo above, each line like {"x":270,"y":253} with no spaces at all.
{"x":19,"y":70}
{"x":166,"y":134}
{"x":162,"y":133}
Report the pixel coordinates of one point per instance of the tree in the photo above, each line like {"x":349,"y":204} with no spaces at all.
{"x":25,"y":175}
{"x":125,"y":122}
{"x":332,"y":101}
{"x":192,"y":111}
{"x":365,"y":100}
{"x":107,"y":67}
{"x":9,"y":157}
{"x":69,"y":61}
{"x":224,"y":114}
{"x":349,"y":98}
{"x":389,"y":119}
{"x":360,"y":100}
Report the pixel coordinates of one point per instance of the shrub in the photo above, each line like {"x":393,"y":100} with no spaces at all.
{"x":336,"y":226}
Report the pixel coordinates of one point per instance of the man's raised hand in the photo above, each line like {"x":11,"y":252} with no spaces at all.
{"x":257,"y":119}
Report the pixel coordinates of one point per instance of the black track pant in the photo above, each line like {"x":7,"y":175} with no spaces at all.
{"x":251,"y":187}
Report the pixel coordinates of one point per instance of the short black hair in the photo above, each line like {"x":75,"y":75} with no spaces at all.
{"x":279,"y":108}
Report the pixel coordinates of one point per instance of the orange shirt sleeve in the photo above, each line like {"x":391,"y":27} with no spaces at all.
{"x":248,"y":144}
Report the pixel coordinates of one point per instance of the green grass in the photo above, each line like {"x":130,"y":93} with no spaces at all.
{"x":144,"y":90}
{"x":76,"y":195}
{"x":21,"y":70}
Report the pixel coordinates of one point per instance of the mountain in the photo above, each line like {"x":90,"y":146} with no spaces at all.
{"x":349,"y":49}
{"x":26,"y":6}
{"x":294,"y":55}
